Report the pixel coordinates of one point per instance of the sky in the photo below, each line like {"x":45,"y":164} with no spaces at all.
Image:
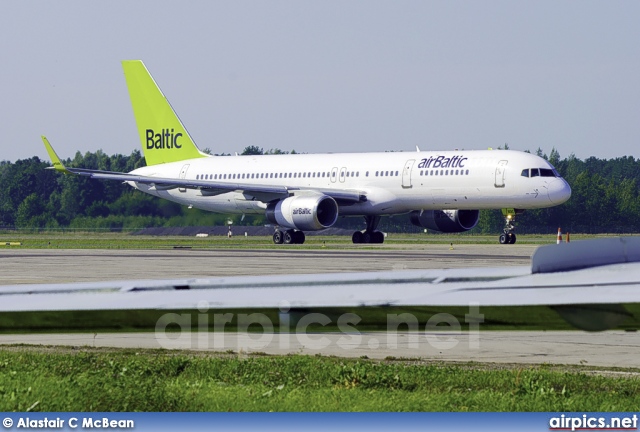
{"x":329,"y":76}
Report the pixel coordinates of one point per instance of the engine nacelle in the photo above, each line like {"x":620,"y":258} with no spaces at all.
{"x":448,"y":221}
{"x":304,"y":212}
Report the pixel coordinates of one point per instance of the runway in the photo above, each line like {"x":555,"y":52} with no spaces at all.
{"x":615,"y":348}
{"x":81,"y":265}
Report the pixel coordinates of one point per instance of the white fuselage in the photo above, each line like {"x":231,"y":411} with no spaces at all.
{"x":393,"y":182}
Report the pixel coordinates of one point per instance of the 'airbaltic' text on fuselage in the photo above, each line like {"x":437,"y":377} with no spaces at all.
{"x":167,"y":139}
{"x":443,"y":162}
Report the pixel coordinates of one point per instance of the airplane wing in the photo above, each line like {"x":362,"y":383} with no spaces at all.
{"x":587,"y":282}
{"x":208,"y":187}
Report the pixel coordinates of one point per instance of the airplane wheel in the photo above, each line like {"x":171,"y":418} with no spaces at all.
{"x":277,"y":237}
{"x":357,"y":237}
{"x":289,"y":237}
{"x":377,"y":237}
{"x":512,"y":238}
{"x":298,"y":237}
{"x":366,"y":237}
{"x":503,"y":238}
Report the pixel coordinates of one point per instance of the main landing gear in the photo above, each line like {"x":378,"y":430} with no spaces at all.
{"x":288,"y":237}
{"x":508,"y":236}
{"x":370,"y":235}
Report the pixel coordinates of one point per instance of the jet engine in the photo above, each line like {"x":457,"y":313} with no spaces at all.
{"x":448,"y":221}
{"x":304,"y":212}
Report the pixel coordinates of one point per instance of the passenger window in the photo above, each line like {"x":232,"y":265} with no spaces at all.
{"x":525,"y":172}
{"x":467,"y":172}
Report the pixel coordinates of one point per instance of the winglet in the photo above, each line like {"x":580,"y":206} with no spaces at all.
{"x":55,"y":160}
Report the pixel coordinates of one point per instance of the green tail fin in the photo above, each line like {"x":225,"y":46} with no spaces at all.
{"x":162,"y":135}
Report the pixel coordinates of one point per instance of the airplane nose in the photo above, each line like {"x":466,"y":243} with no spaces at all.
{"x":559,"y":191}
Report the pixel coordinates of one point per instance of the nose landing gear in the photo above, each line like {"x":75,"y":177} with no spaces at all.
{"x":508,"y":235}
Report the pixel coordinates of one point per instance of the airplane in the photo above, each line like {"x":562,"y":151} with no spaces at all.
{"x":441,"y":190}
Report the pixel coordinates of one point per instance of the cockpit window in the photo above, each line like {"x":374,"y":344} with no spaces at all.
{"x":540,"y":172}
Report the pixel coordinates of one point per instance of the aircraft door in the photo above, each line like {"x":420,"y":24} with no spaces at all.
{"x":183,"y":174}
{"x":500,"y":169}
{"x":406,"y":173}
{"x":343,"y":172}
{"x":334,"y":175}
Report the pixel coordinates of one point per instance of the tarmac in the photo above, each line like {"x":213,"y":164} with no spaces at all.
{"x":22,"y":266}
{"x":607,"y":349}
{"x":610,"y":349}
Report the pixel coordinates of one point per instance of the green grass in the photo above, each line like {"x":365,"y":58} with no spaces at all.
{"x":56,"y":379}
{"x":371,"y":319}
{"x":83,"y":240}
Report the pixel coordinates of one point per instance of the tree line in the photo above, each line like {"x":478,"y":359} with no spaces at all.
{"x":605,"y":199}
